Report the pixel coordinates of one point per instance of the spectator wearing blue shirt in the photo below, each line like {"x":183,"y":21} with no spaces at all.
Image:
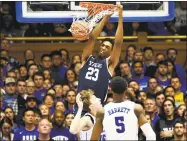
{"x":29,"y":132}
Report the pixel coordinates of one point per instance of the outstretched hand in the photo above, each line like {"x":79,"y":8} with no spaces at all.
{"x":120,"y":8}
{"x":79,"y":101}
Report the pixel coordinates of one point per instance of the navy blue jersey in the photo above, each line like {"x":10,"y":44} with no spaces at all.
{"x":94,"y":75}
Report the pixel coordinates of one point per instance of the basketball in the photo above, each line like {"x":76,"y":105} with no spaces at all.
{"x":80,"y":30}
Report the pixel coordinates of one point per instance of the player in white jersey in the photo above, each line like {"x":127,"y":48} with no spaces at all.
{"x":121,"y":118}
{"x":84,"y":125}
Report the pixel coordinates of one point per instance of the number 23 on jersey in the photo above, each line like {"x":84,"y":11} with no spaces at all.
{"x":92,"y":74}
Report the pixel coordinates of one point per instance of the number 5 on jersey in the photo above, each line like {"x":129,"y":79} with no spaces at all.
{"x":92,"y":74}
{"x":119,"y":123}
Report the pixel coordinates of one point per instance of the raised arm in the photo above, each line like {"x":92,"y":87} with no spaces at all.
{"x":88,"y":49}
{"x":144,"y":125}
{"x":98,"y":127}
{"x":115,"y":55}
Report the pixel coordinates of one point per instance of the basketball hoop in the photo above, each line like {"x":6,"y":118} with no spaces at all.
{"x":82,"y":26}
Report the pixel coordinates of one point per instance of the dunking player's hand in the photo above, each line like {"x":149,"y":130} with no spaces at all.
{"x":120,"y":8}
{"x":79,"y":101}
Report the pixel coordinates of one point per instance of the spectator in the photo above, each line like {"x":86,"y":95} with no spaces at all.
{"x":179,"y":129}
{"x":133,"y":28}
{"x":21,"y":88}
{"x":179,"y":96}
{"x":46,"y":61}
{"x":59,"y":132}
{"x":48,"y":100}
{"x":69,"y":116}
{"x":40,"y":91}
{"x":129,"y":53}
{"x":75,"y":59}
{"x":70,"y":77}
{"x":138,"y":74}
{"x":171,"y":69}
{"x":33,"y":68}
{"x":65,"y":57}
{"x":47,"y":84}
{"x":23,"y":72}
{"x":148,"y":56}
{"x":29,"y":131}
{"x":65,"y":89}
{"x":138,"y":55}
{"x":47,"y":74}
{"x":59,"y":106}
{"x":161,"y":75}
{"x":30,"y":88}
{"x":29,"y":54}
{"x":38,"y":116}
{"x":180,"y":109}
{"x":125,"y":70}
{"x":29,"y":62}
{"x":57,"y":71}
{"x":109,"y":29}
{"x":51,"y":91}
{"x":152,"y":84}
{"x":44,"y":111}
{"x":135,"y":86}
{"x":59,"y":96}
{"x":169,"y":91}
{"x":160,"y":97}
{"x":77,"y":69}
{"x":6,"y":127}
{"x":44,"y":129}
{"x":142,"y":96}
{"x":13,"y":100}
{"x":5,"y":44}
{"x":70,"y":99}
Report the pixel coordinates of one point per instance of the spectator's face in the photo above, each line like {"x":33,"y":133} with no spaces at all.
{"x":152,"y":84}
{"x":70,"y":76}
{"x":5,"y":44}
{"x":138,"y":56}
{"x":29,"y":55}
{"x":124,"y":69}
{"x":49,"y":101}
{"x":179,"y":130}
{"x":60,"y":106}
{"x":158,"y":89}
{"x":9,"y":113}
{"x":29,"y":117}
{"x":160,"y":99}
{"x":59,"y":118}
{"x":142,"y":96}
{"x":138,"y":69}
{"x":32,"y":103}
{"x":76,"y":59}
{"x":4,"y":54}
{"x":59,"y":90}
{"x":71,"y":97}
{"x":38,"y":80}
{"x":134,"y":85}
{"x":159,"y":58}
{"x":150,"y":105}
{"x":57,"y":60}
{"x":65,"y":88}
{"x":44,"y":110}
{"x":148,"y":55}
{"x":168,"y":108}
{"x":176,"y":83}
{"x":44,"y":127}
{"x":69,"y":119}
{"x":12,"y":74}
{"x":77,"y":68}
{"x":170,"y":67}
{"x":170,"y":92}
{"x":162,"y":70}
{"x":51,"y":92}
{"x":46,"y":62}
{"x":130,"y":52}
{"x":47,"y":74}
{"x":64,"y":55}
{"x":37,"y":118}
{"x":32,"y":70}
{"x":105,"y":49}
{"x":181,"y":109}
{"x":21,"y":87}
{"x":10,"y":88}
{"x":6,"y":129}
{"x":30,"y":88}
{"x":172,"y":55}
{"x":23,"y":71}
{"x":47,"y":84}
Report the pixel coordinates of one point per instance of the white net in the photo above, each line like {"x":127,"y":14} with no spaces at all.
{"x":96,"y":11}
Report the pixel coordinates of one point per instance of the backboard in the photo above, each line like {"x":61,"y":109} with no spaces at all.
{"x":63,"y":11}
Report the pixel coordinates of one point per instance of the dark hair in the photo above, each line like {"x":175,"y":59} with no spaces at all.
{"x":70,"y":91}
{"x":66,"y":79}
{"x":174,"y":78}
{"x":178,"y":121}
{"x":31,"y":65}
{"x":159,"y":93}
{"x":44,"y":55}
{"x":55,"y":53}
{"x":162,"y":107}
{"x":167,"y":88}
{"x":28,"y":109}
{"x":147,"y":48}
{"x":167,"y":52}
{"x":133,"y":81}
{"x":124,"y":62}
{"x":161,"y":54}
{"x":50,"y":89}
{"x":109,"y":40}
{"x":150,"y":79}
{"x":174,"y":72}
{"x":5,"y":120}
{"x":38,"y":112}
{"x":27,"y":61}
{"x":21,"y":80}
{"x":118,"y":85}
{"x":8,"y":107}
{"x":126,"y":51}
{"x":162,"y":62}
{"x":48,"y":95}
{"x":63,"y":49}
{"x":39,"y":73}
{"x":137,"y":61}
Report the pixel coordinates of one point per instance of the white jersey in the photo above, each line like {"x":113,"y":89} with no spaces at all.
{"x":86,"y":135}
{"x":120,"y":121}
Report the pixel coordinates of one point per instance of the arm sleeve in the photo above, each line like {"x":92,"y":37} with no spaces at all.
{"x":148,"y":131}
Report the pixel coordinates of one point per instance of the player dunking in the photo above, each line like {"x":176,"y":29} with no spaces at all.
{"x":96,"y":71}
{"x":84,"y":125}
{"x":121,"y":118}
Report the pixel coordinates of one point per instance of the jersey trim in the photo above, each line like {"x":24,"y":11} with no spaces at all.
{"x":86,"y":61}
{"x":107,"y":60}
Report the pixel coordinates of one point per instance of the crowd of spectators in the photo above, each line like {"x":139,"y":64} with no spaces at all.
{"x":47,"y":89}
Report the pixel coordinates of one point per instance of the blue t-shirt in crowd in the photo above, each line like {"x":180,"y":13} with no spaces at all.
{"x":23,"y":135}
{"x":58,"y":74}
{"x":180,"y":72}
{"x":163,"y":83}
{"x":142,"y":82}
{"x":39,"y":94}
{"x":62,"y":134}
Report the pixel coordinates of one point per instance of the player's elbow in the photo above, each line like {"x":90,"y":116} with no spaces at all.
{"x":73,"y":130}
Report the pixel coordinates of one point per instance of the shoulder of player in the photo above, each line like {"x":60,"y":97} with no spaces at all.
{"x":100,"y":113}
{"x":138,"y":109}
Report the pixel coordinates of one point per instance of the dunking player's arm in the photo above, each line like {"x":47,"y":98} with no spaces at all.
{"x":88,"y":49}
{"x":114,"y":58}
{"x":144,"y":125}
